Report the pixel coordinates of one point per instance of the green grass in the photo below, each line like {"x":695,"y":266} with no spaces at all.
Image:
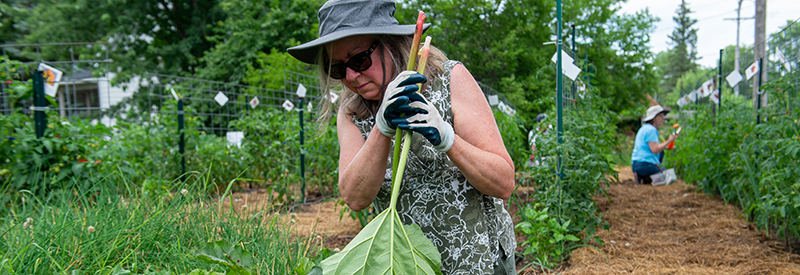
{"x":158,"y":232}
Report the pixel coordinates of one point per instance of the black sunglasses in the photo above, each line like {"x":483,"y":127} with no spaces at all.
{"x":357,"y":63}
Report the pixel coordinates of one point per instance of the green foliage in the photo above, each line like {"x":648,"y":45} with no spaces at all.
{"x":564,"y":205}
{"x":234,"y":258}
{"x":99,"y":230}
{"x":683,"y":55}
{"x":543,"y":236}
{"x":268,"y":72}
{"x":750,"y":165}
{"x":148,"y":153}
{"x":386,"y":245}
{"x":144,"y":37}
{"x":55,"y":160}
{"x":272,"y":149}
{"x":514,"y":137}
{"x":252,"y":28}
{"x":12,"y":13}
{"x":493,"y":39}
{"x":691,"y":80}
{"x":619,"y":52}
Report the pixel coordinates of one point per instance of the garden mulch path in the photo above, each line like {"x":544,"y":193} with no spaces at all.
{"x":669,"y":229}
{"x":674,"y":229}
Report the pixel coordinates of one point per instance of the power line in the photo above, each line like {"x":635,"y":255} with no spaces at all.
{"x":698,"y":21}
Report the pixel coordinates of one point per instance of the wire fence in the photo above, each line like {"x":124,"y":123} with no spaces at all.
{"x":576,"y":85}
{"x":769,"y":83}
{"x":76,"y":87}
{"x":266,"y":125}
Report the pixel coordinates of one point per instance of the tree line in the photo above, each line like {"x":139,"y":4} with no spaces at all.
{"x":503,"y":43}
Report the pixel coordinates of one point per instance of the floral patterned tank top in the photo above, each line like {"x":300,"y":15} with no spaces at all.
{"x":466,"y":226}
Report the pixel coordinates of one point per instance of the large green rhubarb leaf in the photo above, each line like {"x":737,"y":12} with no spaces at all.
{"x":386,"y":246}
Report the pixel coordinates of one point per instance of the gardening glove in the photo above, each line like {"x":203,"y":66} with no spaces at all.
{"x":403,"y":85}
{"x":422,"y":117}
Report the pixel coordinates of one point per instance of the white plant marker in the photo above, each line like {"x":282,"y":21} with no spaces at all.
{"x":254,"y":102}
{"x":752,"y":70}
{"x":288,"y":105}
{"x":333,"y":96}
{"x":734,"y":78}
{"x":221,"y":98}
{"x":301,"y":91}
{"x":51,"y":78}
{"x":493,"y":100}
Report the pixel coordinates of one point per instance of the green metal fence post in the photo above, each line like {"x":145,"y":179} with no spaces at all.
{"x":39,"y":103}
{"x":181,"y":142}
{"x":302,"y":156}
{"x":758,"y":100}
{"x":559,"y":82}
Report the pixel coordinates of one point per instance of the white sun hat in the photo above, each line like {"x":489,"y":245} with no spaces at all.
{"x":653,"y":111}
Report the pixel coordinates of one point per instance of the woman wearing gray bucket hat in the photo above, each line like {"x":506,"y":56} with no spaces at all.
{"x":648,"y":152}
{"x":458,"y":170}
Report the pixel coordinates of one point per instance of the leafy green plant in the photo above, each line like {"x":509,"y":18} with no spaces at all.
{"x":543,"y":233}
{"x":752,"y":165}
{"x":103,"y":229}
{"x":514,"y":137}
{"x":564,"y":197}
{"x":42,"y":164}
{"x":234,"y":258}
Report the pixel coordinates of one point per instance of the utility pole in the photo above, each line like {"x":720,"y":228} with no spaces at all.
{"x":760,"y":47}
{"x":738,"y":54}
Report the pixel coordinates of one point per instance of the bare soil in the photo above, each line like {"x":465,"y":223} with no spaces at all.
{"x":672,"y":229}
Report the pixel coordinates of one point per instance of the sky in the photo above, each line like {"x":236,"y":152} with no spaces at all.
{"x":713,"y":31}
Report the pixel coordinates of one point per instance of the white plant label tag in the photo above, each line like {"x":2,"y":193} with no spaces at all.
{"x":288,"y":105}
{"x":221,"y":98}
{"x":734,"y":78}
{"x":301,"y":91}
{"x":333,"y":97}
{"x":565,"y":58}
{"x":254,"y":102}
{"x":752,"y":70}
{"x":51,"y":78}
{"x":235,"y":138}
{"x":493,"y":100}
{"x":570,"y":70}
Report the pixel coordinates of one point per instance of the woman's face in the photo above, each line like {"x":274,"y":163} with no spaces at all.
{"x":658,"y":120}
{"x":368,"y":82}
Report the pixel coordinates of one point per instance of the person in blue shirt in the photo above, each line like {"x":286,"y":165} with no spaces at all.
{"x":647,"y":150}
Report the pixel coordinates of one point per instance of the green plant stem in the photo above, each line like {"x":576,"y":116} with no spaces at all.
{"x":398,"y":177}
{"x":397,"y":136}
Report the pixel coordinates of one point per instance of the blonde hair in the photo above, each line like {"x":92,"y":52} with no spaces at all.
{"x":399,"y":48}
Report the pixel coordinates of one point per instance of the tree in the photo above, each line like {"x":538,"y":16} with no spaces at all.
{"x":12,"y":23}
{"x":684,"y":41}
{"x":618,"y":48}
{"x":501,"y":43}
{"x":254,"y":28}
{"x":144,"y":36}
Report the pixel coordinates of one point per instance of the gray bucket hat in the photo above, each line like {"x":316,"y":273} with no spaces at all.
{"x":344,"y":18}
